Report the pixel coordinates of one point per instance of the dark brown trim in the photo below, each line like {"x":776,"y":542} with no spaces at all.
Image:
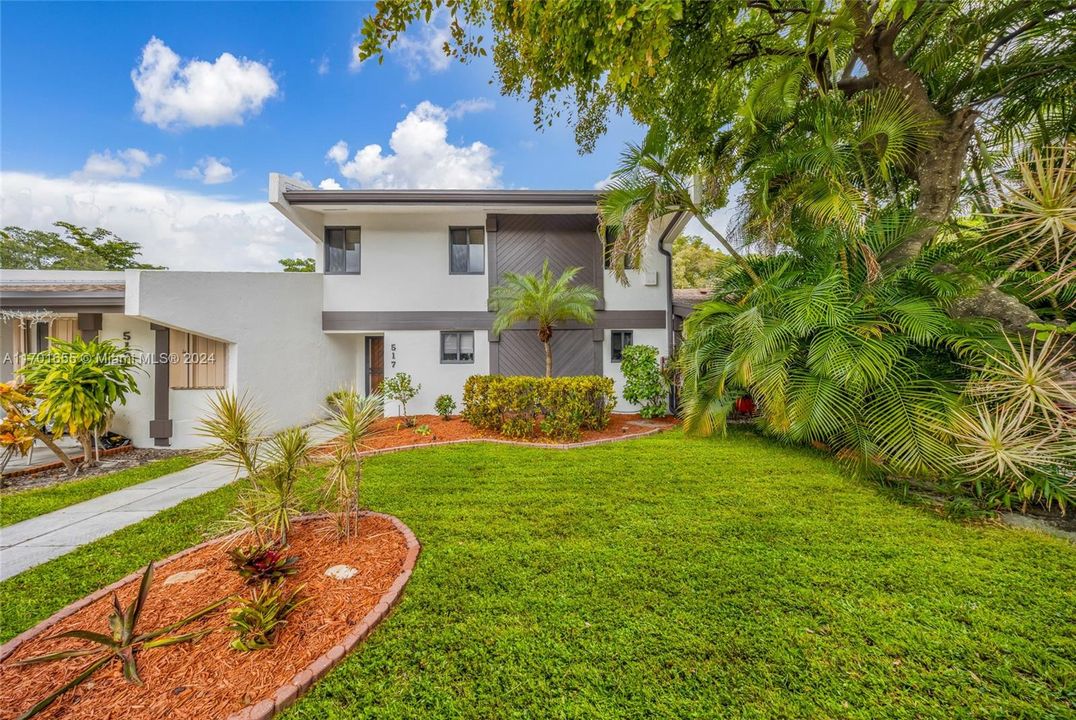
{"x":493,"y":221}
{"x":381,"y":321}
{"x":599,"y":341}
{"x":160,"y":427}
{"x":89,"y":325}
{"x":553,"y":198}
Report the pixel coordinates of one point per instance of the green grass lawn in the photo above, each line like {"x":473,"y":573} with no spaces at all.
{"x":667,"y":577}
{"x":22,"y":505}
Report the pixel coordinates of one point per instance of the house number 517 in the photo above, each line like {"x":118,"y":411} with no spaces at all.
{"x":392,"y":356}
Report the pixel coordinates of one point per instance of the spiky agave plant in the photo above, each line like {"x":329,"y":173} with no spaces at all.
{"x":121,"y":645}
{"x":351,"y":421}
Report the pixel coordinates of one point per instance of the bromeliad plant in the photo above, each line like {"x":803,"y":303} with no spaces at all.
{"x":258,"y":618}
{"x":269,"y":561}
{"x":122,"y":644}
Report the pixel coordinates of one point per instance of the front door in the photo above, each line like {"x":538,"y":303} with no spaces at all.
{"x":375,"y":363}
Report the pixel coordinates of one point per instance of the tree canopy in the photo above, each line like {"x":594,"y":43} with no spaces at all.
{"x":828,"y":110}
{"x":76,"y":249}
{"x":297,"y":264}
{"x":694,"y":262}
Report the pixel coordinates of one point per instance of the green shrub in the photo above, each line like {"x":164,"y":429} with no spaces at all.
{"x":445,"y":406}
{"x":644,"y":384}
{"x":560,"y":408}
{"x":401,"y":388}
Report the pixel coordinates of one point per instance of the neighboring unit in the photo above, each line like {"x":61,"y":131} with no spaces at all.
{"x":402,"y":285}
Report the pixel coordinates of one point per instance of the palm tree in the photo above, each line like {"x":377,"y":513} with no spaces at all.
{"x":645,"y":187}
{"x":545,"y":300}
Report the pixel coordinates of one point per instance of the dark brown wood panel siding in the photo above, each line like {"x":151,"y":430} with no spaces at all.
{"x":521,"y":353}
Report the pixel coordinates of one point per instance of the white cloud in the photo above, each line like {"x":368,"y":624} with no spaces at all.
{"x":129,"y":163}
{"x":604,"y":182}
{"x":198,"y":93}
{"x":181,"y":230}
{"x":422,"y":47}
{"x":323,"y":65}
{"x":420,"y":157}
{"x":329,"y":184}
{"x":210,"y":170}
{"x":463,"y":107}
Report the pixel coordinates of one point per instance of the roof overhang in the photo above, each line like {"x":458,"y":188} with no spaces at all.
{"x":472,"y":198}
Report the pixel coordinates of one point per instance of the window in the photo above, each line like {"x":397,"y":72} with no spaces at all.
{"x":457,"y":347}
{"x":630,"y":263}
{"x":621,"y":339}
{"x":195,"y":361}
{"x":466,"y":250}
{"x":342,"y":247}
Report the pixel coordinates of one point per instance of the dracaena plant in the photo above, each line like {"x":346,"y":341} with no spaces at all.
{"x":351,"y":420}
{"x":121,"y":644}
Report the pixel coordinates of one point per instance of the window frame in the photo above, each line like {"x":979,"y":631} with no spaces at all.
{"x":624,"y":334}
{"x":182,"y":370}
{"x":460,"y":334}
{"x":468,"y":228}
{"x":325,"y":242}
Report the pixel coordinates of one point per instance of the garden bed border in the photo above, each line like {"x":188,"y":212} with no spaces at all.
{"x":302,"y":680}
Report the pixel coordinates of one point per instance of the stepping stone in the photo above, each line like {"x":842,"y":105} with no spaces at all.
{"x":184,"y":577}
{"x":342,"y":572}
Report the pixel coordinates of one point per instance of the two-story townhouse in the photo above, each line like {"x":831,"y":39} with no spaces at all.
{"x":402,"y":285}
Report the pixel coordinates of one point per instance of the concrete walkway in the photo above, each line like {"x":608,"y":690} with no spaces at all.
{"x":37,"y":540}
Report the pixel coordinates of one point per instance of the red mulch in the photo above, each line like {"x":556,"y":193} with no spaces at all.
{"x":207,"y":679}
{"x":391,"y":432}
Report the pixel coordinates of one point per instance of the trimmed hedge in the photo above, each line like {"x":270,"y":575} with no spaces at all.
{"x":519,"y":406}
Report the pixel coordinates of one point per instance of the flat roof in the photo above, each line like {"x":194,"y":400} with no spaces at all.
{"x":443,"y":197}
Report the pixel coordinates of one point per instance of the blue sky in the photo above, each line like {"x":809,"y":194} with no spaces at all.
{"x":162,"y":121}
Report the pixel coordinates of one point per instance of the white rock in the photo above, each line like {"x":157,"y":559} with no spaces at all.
{"x":342,"y":572}
{"x":185,"y":576}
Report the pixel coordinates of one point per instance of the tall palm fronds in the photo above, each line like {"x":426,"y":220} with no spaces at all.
{"x":542,"y":299}
{"x":649,"y":184}
{"x":833,"y":353}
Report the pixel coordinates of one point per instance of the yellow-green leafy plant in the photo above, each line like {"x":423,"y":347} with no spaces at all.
{"x":644,"y":384}
{"x":79,"y":383}
{"x":258,"y":618}
{"x":18,"y":429}
{"x":122,"y":644}
{"x":560,"y":407}
{"x":351,"y":420}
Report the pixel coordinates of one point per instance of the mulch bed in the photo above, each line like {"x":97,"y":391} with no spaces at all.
{"x":119,"y":458}
{"x":207,"y":679}
{"x":389,"y":433}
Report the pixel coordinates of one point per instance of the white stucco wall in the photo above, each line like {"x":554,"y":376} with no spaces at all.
{"x":418,"y":353}
{"x":277,"y":352}
{"x":404,"y":265}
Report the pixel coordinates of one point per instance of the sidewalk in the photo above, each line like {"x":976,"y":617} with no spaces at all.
{"x":43,"y":538}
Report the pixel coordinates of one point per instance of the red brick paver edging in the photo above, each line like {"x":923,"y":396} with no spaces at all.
{"x":301,"y":681}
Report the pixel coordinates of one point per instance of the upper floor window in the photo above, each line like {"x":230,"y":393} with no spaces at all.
{"x":630,"y":262}
{"x":457,"y":346}
{"x":620,"y":340}
{"x":467,"y":250}
{"x":342,"y":245}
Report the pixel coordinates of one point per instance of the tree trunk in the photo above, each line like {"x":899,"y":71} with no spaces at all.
{"x":548,"y":359}
{"x":86,"y":441}
{"x":56,"y":450}
{"x":939,"y":169}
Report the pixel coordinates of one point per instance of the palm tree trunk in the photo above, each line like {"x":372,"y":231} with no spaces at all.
{"x":548,"y":359}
